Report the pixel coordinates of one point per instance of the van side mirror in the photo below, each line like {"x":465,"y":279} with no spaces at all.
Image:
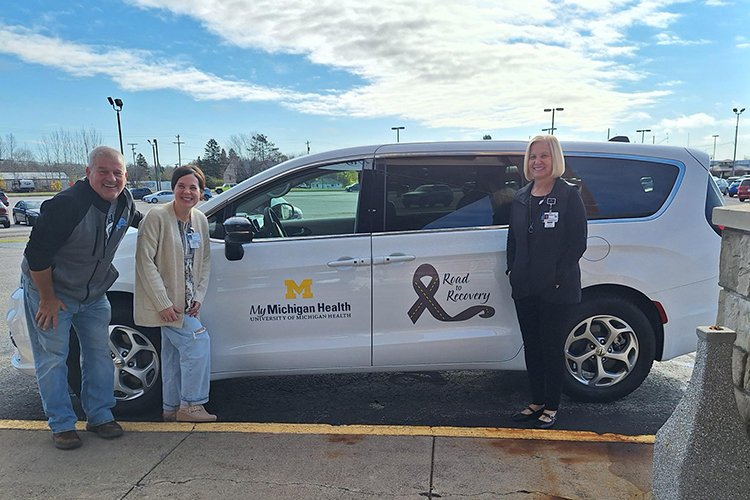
{"x":237,"y":230}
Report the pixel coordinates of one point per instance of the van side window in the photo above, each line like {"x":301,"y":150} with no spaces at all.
{"x":448,"y":192}
{"x":614,"y":188}
{"x":318,"y":201}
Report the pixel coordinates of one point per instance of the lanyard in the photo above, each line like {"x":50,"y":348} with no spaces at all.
{"x":185,"y":232}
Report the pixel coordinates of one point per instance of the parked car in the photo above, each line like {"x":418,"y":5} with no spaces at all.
{"x":22,"y":185}
{"x":352,"y":187}
{"x":4,"y":219}
{"x":732,"y":189}
{"x":428,"y":195}
{"x":26,"y":211}
{"x":743,"y":190}
{"x":159,"y":197}
{"x":224,"y":187}
{"x":362,"y":284}
{"x":722,"y":184}
{"x":139,"y":192}
{"x":4,"y":199}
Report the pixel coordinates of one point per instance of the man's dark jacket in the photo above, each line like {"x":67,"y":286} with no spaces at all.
{"x":549,"y":268}
{"x":70,"y":236}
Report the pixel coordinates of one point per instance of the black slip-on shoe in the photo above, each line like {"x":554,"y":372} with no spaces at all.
{"x":543,"y":423}
{"x":525,"y":417}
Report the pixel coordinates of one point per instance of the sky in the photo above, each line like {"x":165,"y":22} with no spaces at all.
{"x":337,"y":73}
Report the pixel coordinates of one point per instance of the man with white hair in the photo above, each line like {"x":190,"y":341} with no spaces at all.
{"x":66,"y":271}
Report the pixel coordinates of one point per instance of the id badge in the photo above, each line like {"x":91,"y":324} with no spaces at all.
{"x":550,"y":219}
{"x":194,"y":240}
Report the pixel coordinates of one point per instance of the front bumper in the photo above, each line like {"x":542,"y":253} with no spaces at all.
{"x":22,"y":359}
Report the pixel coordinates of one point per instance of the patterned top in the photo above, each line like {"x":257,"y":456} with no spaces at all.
{"x":186,"y":234}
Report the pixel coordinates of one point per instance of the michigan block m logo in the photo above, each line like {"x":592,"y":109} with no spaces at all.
{"x":293,"y":289}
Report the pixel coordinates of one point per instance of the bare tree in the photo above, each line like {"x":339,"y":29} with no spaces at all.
{"x":85,"y":141}
{"x":241,"y":143}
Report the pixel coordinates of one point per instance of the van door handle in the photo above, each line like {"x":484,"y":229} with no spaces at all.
{"x":394,"y":257}
{"x":350,"y":262}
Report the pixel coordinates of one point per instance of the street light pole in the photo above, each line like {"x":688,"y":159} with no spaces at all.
{"x":156,"y":164}
{"x":397,"y":129}
{"x":736,"y":129}
{"x":643,"y":133}
{"x":117,"y":106}
{"x":552,"y":127}
{"x":713,"y":156}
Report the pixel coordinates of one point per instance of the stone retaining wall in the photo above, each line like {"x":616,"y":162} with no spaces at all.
{"x":734,"y":297}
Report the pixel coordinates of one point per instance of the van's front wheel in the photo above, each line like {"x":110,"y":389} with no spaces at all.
{"x":609,"y":350}
{"x":136,"y":363}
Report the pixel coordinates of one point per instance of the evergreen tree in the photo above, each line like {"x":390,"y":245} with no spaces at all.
{"x":211,"y":162}
{"x":140,"y":169}
{"x":263,"y":153}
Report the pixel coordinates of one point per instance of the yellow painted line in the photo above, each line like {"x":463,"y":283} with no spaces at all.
{"x":14,"y":240}
{"x":362,"y":430}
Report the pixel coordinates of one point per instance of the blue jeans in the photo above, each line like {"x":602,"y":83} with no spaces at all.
{"x":185,"y":364}
{"x":50,"y":348}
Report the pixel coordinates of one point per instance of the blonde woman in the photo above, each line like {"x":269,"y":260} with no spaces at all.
{"x":546,"y":239}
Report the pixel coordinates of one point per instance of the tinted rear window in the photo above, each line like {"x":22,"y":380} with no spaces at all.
{"x":614,"y":188}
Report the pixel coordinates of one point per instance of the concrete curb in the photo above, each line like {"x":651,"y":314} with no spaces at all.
{"x":367,"y":430}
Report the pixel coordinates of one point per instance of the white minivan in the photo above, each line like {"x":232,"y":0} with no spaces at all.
{"x":383,"y":279}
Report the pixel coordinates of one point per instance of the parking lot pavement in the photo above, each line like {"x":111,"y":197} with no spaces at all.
{"x":281,"y":461}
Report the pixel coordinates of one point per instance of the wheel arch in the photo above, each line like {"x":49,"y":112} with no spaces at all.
{"x":121,"y":299}
{"x":638,"y":299}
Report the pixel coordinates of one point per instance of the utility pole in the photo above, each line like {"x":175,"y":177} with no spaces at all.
{"x":135,"y":169}
{"x":308,"y":146}
{"x":179,"y":157}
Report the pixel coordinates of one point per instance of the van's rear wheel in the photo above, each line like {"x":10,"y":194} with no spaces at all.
{"x":609,"y":350}
{"x":136,"y":363}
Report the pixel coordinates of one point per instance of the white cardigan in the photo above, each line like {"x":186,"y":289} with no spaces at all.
{"x":160,"y":268}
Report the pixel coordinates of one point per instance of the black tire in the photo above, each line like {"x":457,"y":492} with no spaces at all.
{"x":609,"y":350}
{"x":6,"y":224}
{"x":137,"y":384}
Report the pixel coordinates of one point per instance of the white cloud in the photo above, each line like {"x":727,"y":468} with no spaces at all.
{"x":671,"y":39}
{"x":686,"y":122}
{"x":466,"y":64}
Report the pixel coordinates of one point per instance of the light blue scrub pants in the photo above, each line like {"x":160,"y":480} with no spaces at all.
{"x":186,"y":364}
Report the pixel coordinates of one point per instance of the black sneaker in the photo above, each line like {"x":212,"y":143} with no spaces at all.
{"x":67,"y":440}
{"x":107,"y":431}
